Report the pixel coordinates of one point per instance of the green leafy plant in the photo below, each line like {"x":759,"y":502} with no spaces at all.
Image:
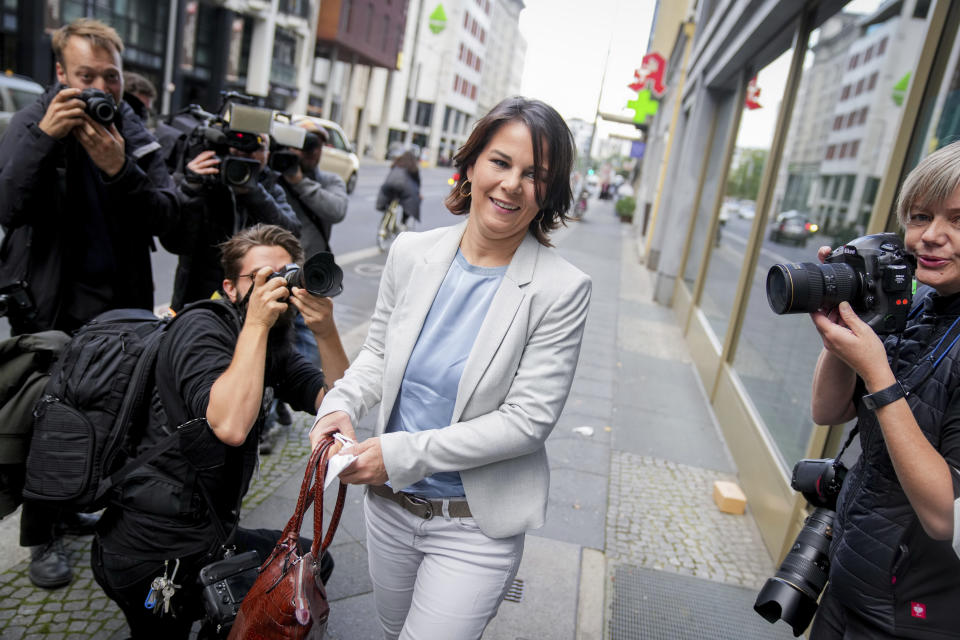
{"x":625,"y":207}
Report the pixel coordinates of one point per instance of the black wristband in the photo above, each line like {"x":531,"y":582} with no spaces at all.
{"x":882,"y":398}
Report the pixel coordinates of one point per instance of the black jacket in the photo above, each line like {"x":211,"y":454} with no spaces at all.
{"x":883,"y":566}
{"x":67,"y":225}
{"x":211,"y":214}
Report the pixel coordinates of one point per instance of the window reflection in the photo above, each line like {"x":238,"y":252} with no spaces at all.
{"x":838,"y":146}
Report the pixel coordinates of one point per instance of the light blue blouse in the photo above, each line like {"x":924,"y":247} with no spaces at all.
{"x":429,"y":388}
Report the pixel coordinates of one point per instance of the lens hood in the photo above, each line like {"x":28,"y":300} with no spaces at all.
{"x":322,"y":276}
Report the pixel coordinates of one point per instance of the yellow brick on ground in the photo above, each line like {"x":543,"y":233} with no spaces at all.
{"x":729,"y":497}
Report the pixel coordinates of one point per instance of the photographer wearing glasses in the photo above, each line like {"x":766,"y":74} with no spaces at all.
{"x":82,"y":191}
{"x":219,"y":365}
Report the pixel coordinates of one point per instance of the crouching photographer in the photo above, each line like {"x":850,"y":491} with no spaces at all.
{"x":892,"y":570}
{"x":178,"y":513}
{"x":224,"y":184}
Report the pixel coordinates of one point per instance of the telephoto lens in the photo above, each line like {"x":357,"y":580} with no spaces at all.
{"x":793,"y":591}
{"x":807,"y":286}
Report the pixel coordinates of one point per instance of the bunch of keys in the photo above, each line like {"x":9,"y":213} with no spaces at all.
{"x":162,"y":587}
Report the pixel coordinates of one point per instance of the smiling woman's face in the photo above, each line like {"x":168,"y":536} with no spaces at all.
{"x":503,"y":184}
{"x":933,"y":236}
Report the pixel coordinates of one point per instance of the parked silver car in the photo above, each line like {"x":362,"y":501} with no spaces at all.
{"x":16,"y":92}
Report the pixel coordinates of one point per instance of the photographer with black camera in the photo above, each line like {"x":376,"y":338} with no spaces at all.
{"x":225,"y":185}
{"x":82,"y":191}
{"x":892,"y":571}
{"x":174,"y":513}
{"x":319,"y":198}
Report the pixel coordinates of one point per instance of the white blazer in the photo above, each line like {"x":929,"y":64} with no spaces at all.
{"x":514,"y":384}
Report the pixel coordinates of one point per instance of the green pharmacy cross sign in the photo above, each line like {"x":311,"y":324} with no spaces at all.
{"x":438,"y":19}
{"x":643,"y":106}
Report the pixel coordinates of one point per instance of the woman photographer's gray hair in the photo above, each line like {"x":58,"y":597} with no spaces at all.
{"x":931,"y":182}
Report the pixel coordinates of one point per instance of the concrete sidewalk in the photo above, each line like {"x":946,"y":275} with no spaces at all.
{"x":633,"y":546}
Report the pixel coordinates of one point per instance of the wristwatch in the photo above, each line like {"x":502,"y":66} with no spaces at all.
{"x":882,"y":398}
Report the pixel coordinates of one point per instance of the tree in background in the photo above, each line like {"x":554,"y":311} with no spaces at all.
{"x":744,"y":179}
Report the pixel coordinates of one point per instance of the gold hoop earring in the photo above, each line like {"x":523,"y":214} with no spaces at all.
{"x":466,"y":194}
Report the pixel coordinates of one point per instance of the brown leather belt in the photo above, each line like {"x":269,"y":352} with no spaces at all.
{"x":422,"y":507}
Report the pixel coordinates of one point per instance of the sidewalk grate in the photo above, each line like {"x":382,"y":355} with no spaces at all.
{"x":515,"y":591}
{"x":657,"y":605}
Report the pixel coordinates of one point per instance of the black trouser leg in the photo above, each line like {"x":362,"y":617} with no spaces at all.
{"x":38,"y":523}
{"x":127,"y":581}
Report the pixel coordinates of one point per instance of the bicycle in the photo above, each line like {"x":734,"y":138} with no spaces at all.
{"x":390,"y":225}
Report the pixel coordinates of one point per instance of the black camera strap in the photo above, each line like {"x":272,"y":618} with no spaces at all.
{"x":921,"y":372}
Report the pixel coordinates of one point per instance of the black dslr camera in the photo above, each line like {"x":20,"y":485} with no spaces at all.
{"x":225,"y":583}
{"x":873,"y":273}
{"x":236,"y":126}
{"x":99,"y":106}
{"x":320,"y":275}
{"x":793,"y":591}
{"x":284,"y":137}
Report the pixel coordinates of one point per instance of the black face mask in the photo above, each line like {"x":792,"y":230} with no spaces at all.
{"x":281,"y":332}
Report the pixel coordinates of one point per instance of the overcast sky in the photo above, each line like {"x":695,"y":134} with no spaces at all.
{"x":567,"y":43}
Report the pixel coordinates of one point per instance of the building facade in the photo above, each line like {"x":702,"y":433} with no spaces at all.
{"x":851,"y":101}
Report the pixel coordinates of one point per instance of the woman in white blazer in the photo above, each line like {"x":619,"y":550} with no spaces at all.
{"x":470,"y":355}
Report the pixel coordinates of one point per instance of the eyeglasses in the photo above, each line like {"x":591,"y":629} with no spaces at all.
{"x":252,"y":276}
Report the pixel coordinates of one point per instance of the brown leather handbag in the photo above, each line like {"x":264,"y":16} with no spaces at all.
{"x":288,"y":599}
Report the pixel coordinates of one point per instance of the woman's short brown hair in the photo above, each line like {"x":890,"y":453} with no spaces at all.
{"x":547,"y":129}
{"x":235,"y":249}
{"x":99,"y":34}
{"x":931,"y":182}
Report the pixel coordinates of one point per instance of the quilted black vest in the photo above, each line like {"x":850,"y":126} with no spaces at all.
{"x":884,"y":567}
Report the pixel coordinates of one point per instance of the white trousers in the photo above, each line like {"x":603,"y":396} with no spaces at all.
{"x":437,"y":579}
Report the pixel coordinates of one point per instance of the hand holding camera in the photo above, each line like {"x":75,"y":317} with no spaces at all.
{"x":64,"y":113}
{"x":105,"y":146}
{"x":268,"y":299}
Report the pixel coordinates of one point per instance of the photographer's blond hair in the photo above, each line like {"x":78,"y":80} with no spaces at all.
{"x":98,"y":33}
{"x":931,"y":182}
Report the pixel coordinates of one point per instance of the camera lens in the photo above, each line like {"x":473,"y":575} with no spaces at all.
{"x":102,"y":112}
{"x":806,"y":287}
{"x":322,"y":276}
{"x":793,"y":591}
{"x":236,"y":173}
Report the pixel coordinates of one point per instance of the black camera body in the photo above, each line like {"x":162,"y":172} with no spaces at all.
{"x":100,"y":106}
{"x":225,"y":583}
{"x":793,"y":592}
{"x":873,"y":273}
{"x":16,"y":301}
{"x":320,"y":275}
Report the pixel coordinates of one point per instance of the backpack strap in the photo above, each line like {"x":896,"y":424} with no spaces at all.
{"x":172,"y":404}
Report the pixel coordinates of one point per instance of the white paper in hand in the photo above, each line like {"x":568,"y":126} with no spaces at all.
{"x":339,"y":462}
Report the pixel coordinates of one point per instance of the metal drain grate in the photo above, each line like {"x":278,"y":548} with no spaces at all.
{"x":657,"y":605}
{"x":515,"y":591}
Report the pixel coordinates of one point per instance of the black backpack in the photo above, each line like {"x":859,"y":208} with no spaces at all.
{"x":96,"y":404}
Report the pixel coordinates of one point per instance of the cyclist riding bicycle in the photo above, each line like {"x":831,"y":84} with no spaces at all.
{"x":403,"y":185}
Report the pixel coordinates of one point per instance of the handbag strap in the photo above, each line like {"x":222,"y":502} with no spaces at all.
{"x":321,"y":475}
{"x":292,"y":530}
